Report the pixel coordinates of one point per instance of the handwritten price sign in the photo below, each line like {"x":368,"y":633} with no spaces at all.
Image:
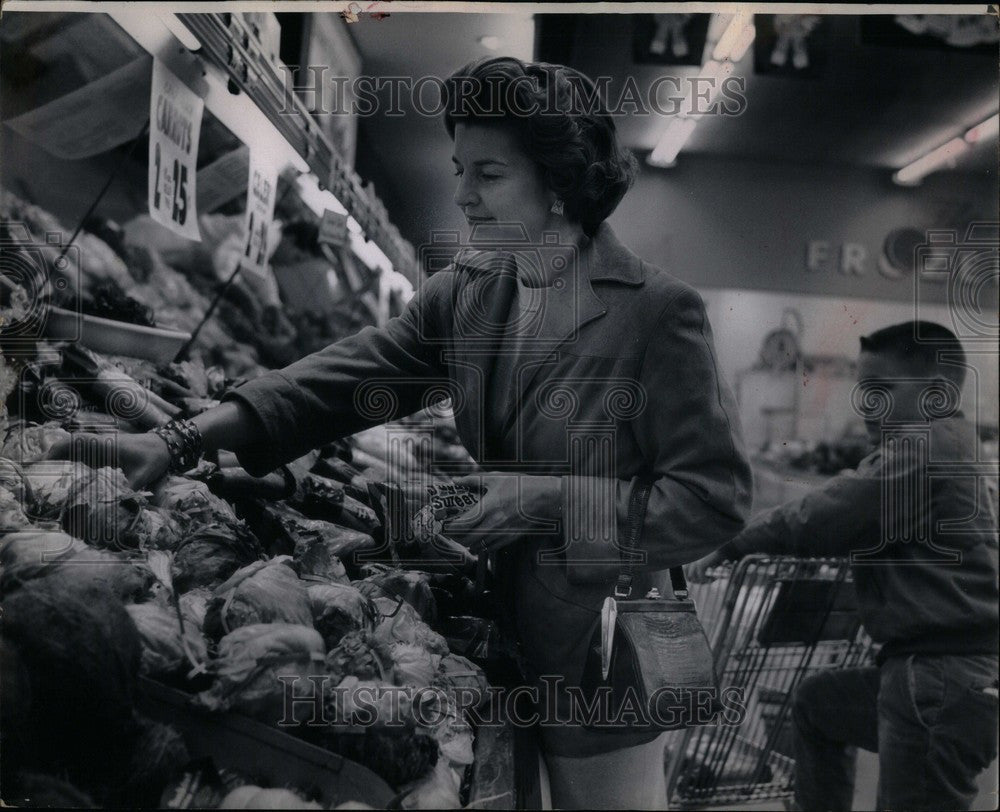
{"x":262,"y":185}
{"x":174,"y":129}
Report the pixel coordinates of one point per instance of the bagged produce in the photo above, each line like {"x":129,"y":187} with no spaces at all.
{"x":25,"y":443}
{"x":192,"y":502}
{"x":354,"y":656}
{"x":81,"y":652}
{"x":438,"y":790}
{"x":374,"y":726}
{"x":254,"y":797}
{"x":261,"y":592}
{"x":338,"y":609}
{"x":11,"y":512}
{"x":315,"y":562}
{"x":209,"y":555}
{"x":411,"y":664}
{"x":103,"y":510}
{"x":463,"y":680}
{"x":322,"y":498}
{"x":158,"y":755}
{"x":315,"y":538}
{"x":403,"y":625}
{"x":165,"y":651}
{"x":157,"y":529}
{"x":194,"y":605}
{"x":409,"y":585}
{"x":251,"y":662}
{"x":415,"y":517}
{"x":36,"y":552}
{"x":49,"y":483}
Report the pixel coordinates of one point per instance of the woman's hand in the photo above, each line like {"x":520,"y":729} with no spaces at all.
{"x":143,"y":458}
{"x":511,"y":508}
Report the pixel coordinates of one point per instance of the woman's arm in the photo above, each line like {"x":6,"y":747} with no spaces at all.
{"x":371,"y":377}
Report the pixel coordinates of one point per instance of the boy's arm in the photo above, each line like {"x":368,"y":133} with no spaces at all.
{"x":826,"y":522}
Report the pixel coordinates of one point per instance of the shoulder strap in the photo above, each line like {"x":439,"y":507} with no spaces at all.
{"x":638,"y":502}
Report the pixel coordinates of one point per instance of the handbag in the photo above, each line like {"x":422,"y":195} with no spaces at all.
{"x":649,"y":663}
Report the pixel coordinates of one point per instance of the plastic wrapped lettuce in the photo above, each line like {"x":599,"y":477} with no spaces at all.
{"x":262,"y":592}
{"x":412,"y":586}
{"x":192,"y":502}
{"x":12,"y":516}
{"x":411,"y":664}
{"x":253,"y":663}
{"x":338,"y":609}
{"x":47,"y":552}
{"x":208,"y":555}
{"x":25,"y":443}
{"x":355,"y":656}
{"x":401,"y":624}
{"x":165,"y":650}
{"x":104,"y":510}
{"x":49,"y":483}
{"x":461,"y":679}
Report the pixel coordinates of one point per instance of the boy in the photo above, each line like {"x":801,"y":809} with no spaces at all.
{"x":919,"y":528}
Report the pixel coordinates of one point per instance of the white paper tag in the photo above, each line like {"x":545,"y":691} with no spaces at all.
{"x":261,"y":187}
{"x":174,"y":130}
{"x":333,"y":228}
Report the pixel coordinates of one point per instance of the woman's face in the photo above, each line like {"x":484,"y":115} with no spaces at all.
{"x":498,"y":182}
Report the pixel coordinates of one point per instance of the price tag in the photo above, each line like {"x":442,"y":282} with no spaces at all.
{"x":262,"y":185}
{"x":333,"y":228}
{"x":174,"y":130}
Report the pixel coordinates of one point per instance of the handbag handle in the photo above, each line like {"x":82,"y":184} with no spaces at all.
{"x":638,"y":502}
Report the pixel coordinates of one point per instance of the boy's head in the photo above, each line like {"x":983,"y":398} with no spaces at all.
{"x":910,"y":372}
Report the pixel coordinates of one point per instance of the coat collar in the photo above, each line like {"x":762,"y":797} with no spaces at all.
{"x":607,"y":260}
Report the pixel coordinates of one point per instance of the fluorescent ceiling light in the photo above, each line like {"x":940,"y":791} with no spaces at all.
{"x":673,"y":140}
{"x":717,"y":72}
{"x":731,"y":36}
{"x":985,"y":129}
{"x":743,"y":43}
{"x":181,"y":31}
{"x":944,"y":155}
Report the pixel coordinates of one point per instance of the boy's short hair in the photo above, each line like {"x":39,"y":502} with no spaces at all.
{"x":919,"y":345}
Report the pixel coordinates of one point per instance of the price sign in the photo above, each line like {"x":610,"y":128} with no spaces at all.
{"x":262,"y":184}
{"x":333,"y":228}
{"x":174,"y":130}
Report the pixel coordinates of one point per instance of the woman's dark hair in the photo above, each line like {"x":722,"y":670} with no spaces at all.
{"x":562,"y":124}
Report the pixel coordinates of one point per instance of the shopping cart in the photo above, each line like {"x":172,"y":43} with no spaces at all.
{"x":771,"y":621}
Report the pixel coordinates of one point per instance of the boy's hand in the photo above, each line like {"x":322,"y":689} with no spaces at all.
{"x":697,"y":571}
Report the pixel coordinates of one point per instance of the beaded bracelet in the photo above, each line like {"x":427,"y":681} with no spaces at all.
{"x":184,"y":443}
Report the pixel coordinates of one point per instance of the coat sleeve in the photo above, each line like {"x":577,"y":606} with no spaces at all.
{"x":692,"y":444}
{"x":829,"y":521}
{"x":373,"y":376}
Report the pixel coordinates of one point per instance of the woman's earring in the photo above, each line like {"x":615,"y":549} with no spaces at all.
{"x":557,"y":207}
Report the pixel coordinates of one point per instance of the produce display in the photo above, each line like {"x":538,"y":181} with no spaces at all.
{"x":230,"y":587}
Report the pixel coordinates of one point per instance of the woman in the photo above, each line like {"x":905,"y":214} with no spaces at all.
{"x":575,"y":368}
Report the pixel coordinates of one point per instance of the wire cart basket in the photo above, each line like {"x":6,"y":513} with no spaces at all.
{"x":771,"y":622}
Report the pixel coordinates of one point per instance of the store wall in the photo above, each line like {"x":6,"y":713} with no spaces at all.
{"x":738,"y":224}
{"x":831,"y":326}
{"x":741,"y":231}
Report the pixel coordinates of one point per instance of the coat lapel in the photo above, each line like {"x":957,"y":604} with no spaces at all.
{"x":481,"y":312}
{"x":603,"y":259}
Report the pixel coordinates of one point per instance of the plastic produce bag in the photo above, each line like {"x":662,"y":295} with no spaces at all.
{"x":252,"y":662}
{"x":262,"y":592}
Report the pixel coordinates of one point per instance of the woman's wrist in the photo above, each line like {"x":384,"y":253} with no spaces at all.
{"x":230,"y":425}
{"x":184,"y":444}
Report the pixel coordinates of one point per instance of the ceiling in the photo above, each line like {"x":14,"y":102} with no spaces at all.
{"x":875,"y":105}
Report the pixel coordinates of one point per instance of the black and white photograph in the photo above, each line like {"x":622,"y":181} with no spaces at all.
{"x":529,"y":406}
